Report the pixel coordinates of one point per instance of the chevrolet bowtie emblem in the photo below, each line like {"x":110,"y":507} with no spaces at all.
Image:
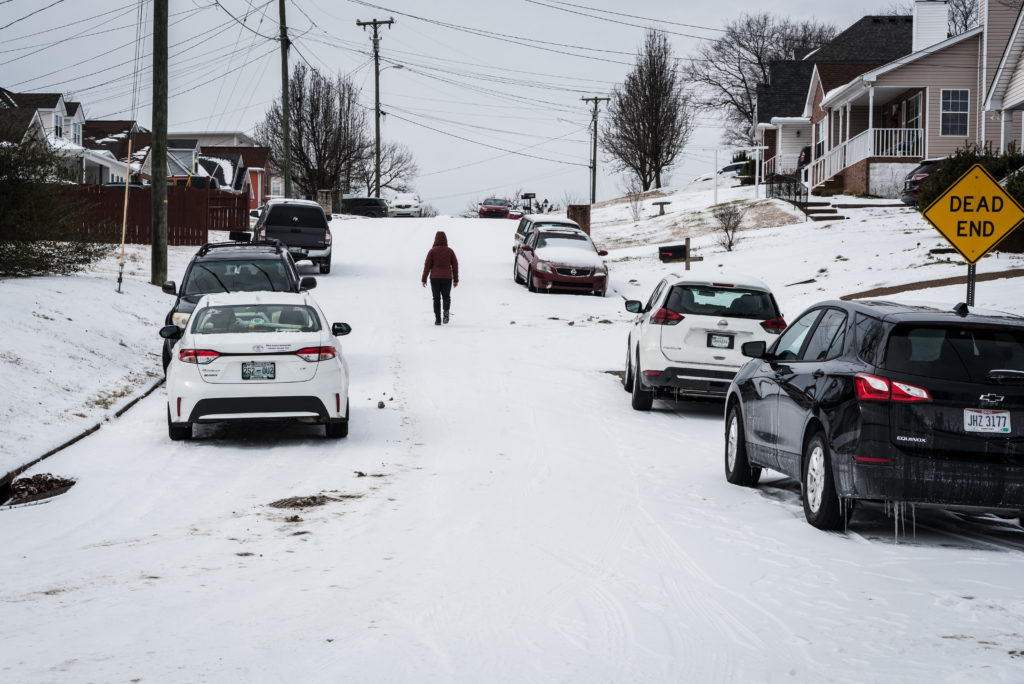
{"x":991,"y":398}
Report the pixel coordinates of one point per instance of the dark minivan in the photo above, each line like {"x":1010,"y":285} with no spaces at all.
{"x":301,"y":225}
{"x":876,"y":400}
{"x":370,"y":207}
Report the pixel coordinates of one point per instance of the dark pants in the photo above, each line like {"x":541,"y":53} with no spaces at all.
{"x":441,"y":289}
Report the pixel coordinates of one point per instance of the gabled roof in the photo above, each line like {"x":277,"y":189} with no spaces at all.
{"x":830,"y":76}
{"x":784,"y":94}
{"x":874,"y":38}
{"x":73,"y":107}
{"x":15,"y":123}
{"x":182,"y":143}
{"x":1007,"y":65}
{"x":112,"y":135}
{"x":228,"y":169}
{"x":254,"y":157}
{"x":7,"y":98}
{"x":37,"y":100}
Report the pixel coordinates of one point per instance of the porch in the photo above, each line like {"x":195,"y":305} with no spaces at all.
{"x":888,"y":144}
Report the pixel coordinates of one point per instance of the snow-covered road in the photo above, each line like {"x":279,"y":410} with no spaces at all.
{"x":505,"y":518}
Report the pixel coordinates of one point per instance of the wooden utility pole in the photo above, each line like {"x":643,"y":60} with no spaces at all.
{"x":286,"y":142}
{"x":158,"y":152}
{"x":376,"y":92}
{"x":593,"y":158}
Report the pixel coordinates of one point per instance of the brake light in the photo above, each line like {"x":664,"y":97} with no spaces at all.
{"x":314,"y":354}
{"x":874,"y":388}
{"x":774,"y":325}
{"x":262,"y":233}
{"x":665,"y":316}
{"x":200,"y":356}
{"x":327,"y":237}
{"x":918,"y":176}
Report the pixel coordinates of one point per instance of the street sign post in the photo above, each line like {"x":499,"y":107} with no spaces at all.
{"x":974,"y":215}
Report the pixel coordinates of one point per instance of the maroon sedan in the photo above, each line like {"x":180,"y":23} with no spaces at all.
{"x":492,"y":207}
{"x":561,"y":260}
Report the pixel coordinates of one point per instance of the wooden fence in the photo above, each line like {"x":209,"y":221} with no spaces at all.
{"x":191,"y":212}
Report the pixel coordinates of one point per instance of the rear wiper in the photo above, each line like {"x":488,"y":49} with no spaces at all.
{"x":1005,"y":375}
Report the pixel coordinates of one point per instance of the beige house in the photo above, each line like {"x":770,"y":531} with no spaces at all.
{"x":871,"y":130}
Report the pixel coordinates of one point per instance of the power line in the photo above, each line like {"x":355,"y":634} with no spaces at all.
{"x":41,"y":9}
{"x":633,"y":16}
{"x":624,"y":23}
{"x":243,"y":24}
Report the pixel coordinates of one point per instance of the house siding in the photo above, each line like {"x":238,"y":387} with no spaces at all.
{"x":954,"y":68}
{"x":1015,"y":91}
{"x":790,"y":142}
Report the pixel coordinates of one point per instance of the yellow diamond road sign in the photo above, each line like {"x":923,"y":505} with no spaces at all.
{"x":974,"y":214}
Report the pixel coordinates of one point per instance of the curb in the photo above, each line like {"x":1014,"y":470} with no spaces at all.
{"x":6,"y":480}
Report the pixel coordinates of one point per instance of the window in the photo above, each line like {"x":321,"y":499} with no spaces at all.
{"x":914,"y":112}
{"x":955,"y":105}
{"x":236,"y":276}
{"x":870,"y":332}
{"x":655,"y":295}
{"x":823,"y":343}
{"x":279,"y":318}
{"x":819,"y":139}
{"x":275,"y":187}
{"x":792,"y":341}
{"x":697,"y":300}
{"x":961,"y":352}
{"x":58,"y":125}
{"x":76,"y":133}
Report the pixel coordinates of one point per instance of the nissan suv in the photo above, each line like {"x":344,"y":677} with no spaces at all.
{"x":231,"y":267}
{"x":301,"y":225}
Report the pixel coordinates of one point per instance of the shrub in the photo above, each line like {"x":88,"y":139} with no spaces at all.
{"x":955,"y":166}
{"x":728,"y":217}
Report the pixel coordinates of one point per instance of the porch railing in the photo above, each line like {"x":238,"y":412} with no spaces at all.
{"x":897,"y":143}
{"x":787,"y":188}
{"x":780,"y":163}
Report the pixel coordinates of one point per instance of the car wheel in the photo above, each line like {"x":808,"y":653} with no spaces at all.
{"x":338,"y":429}
{"x":325,"y":266}
{"x":817,"y":487}
{"x":738,"y":470}
{"x":529,"y":280}
{"x":627,"y":375}
{"x":643,"y":399}
{"x":178,"y":431}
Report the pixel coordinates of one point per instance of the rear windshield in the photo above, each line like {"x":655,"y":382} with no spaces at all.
{"x":298,"y":216}
{"x":947,"y":352}
{"x":279,"y":318}
{"x":731,"y":302}
{"x":206,"y":277}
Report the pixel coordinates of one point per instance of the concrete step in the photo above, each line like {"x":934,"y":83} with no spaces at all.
{"x":822,"y":210}
{"x":826,"y":217}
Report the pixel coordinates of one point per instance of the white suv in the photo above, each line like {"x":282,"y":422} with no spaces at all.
{"x":405,"y":204}
{"x":685,"y":341}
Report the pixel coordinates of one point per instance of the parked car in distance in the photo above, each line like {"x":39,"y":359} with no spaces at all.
{"x":370,"y":207}
{"x":257,"y":356}
{"x":916,"y":178}
{"x":732,"y":169}
{"x":875,"y":400}
{"x":405,"y":204}
{"x":560,"y":259}
{"x":492,"y":207}
{"x":301,"y":225}
{"x":686,"y":339}
{"x":531,"y":222}
{"x":231,"y":267}
{"x":254,"y":217}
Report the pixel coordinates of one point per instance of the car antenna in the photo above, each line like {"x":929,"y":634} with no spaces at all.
{"x":961,"y":310}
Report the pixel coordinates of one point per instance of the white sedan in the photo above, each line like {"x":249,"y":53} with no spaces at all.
{"x":405,"y":204}
{"x":257,"y":356}
{"x":685,"y":341}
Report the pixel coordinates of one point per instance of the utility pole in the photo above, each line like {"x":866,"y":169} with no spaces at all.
{"x":593,"y":158}
{"x":376,"y":90}
{"x":158,"y":153}
{"x":285,"y":104}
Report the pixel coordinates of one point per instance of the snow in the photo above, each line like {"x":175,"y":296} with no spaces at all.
{"x":514,"y":521}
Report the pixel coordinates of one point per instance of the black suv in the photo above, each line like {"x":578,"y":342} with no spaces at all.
{"x":882,"y":401}
{"x":373,"y":207}
{"x":232,"y":267}
{"x":301,"y":225}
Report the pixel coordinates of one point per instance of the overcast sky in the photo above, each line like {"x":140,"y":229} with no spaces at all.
{"x":457,"y":93}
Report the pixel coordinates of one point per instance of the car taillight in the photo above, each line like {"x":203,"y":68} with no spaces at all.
{"x":774,"y":325}
{"x":327,"y":237}
{"x":200,"y":356}
{"x":665,"y":316}
{"x":314,"y":354}
{"x":918,"y":176}
{"x":874,"y":388}
{"x":262,"y":233}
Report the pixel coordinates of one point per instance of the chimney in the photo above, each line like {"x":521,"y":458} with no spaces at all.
{"x":930,"y":23}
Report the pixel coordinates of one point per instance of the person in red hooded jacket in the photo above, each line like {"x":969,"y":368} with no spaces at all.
{"x":442,"y":267}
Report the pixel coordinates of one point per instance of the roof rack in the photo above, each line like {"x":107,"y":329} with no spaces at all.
{"x":271,"y":242}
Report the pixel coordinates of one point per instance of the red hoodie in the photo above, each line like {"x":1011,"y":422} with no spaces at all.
{"x":441,"y":261}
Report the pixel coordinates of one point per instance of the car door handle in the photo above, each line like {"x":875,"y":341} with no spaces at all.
{"x":818,"y":374}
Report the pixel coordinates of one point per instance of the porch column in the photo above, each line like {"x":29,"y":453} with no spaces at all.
{"x":871,"y":121}
{"x":849,"y":110}
{"x":1005,"y":130}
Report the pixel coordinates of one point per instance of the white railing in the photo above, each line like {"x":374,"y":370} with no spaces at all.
{"x":781,"y":163}
{"x":877,"y":142}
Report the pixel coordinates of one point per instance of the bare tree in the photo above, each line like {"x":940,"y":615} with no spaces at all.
{"x":650,"y":118}
{"x":329,"y":130}
{"x":729,"y":69}
{"x":963,"y":14}
{"x":728,"y":217}
{"x":397,"y":169}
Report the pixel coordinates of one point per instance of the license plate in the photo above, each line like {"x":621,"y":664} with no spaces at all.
{"x":299,"y":251}
{"x":720,"y":341}
{"x":258,"y":370}
{"x":981,"y":420}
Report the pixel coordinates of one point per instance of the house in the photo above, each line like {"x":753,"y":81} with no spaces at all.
{"x":116,"y":137}
{"x":257,"y":162}
{"x":870,"y":130}
{"x":18,"y":124}
{"x":215,"y":138}
{"x":228,"y":169}
{"x":782,"y":125}
{"x":1004,"y":100}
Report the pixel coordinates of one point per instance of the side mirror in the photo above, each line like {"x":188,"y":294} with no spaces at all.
{"x":634,"y":306}
{"x":169,"y":287}
{"x":307,"y":283}
{"x":339,"y":329}
{"x":755,"y":350}
{"x":255,"y":213}
{"x":329,"y":217}
{"x":170,"y":332}
{"x":603,"y":253}
{"x":239,"y":236}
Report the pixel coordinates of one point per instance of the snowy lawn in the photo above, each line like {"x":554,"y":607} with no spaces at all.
{"x":506,"y":517}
